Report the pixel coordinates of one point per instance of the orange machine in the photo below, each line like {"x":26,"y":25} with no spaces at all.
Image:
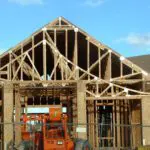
{"x":32,"y":134}
{"x":55,"y":131}
{"x":53,"y":135}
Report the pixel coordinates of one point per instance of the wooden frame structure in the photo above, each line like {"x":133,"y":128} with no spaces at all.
{"x":62,"y":56}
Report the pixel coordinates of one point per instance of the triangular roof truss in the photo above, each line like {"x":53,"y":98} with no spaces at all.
{"x":60,"y":51}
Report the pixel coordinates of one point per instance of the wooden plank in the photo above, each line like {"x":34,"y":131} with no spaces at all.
{"x":133,"y":97}
{"x":108,"y":72}
{"x":17,"y":116}
{"x":96,"y":121}
{"x":74,"y":111}
{"x":10,"y":69}
{"x":21,"y":69}
{"x":126,"y":119}
{"x":122,"y":122}
{"x":99,"y":56}
{"x":66,"y":51}
{"x":121,"y":68}
{"x":33,"y":58}
{"x":88,"y":58}
{"x":114,"y":122}
{"x":91,"y":122}
{"x":76,"y":53}
{"x":44,"y":57}
{"x":55,"y":59}
{"x":118,"y":123}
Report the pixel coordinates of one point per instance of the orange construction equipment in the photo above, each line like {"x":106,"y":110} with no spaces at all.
{"x":29,"y":133}
{"x":55,"y":131}
{"x":53,"y":135}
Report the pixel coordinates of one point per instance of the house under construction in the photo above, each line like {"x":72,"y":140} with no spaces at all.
{"x":105,"y":94}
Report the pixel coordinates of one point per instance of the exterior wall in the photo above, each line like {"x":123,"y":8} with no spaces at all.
{"x":146,"y":119}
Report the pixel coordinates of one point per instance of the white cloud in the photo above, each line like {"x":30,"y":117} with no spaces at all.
{"x":136,"y":39}
{"x":26,"y":2}
{"x":94,"y":3}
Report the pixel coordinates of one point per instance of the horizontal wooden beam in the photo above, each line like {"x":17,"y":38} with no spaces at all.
{"x":131,"y":97}
{"x":42,"y":81}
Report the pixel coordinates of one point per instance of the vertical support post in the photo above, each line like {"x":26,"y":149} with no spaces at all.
{"x":91,"y":123}
{"x":55,"y":42}
{"x":7,"y":114}
{"x":136,"y":120}
{"x":99,"y":56}
{"x":10,"y":66}
{"x":59,"y":21}
{"x":122,"y":122}
{"x":126,"y":123}
{"x":97,"y":124}
{"x":7,"y":72}
{"x":33,"y":60}
{"x":21,"y":75}
{"x":114,"y":127}
{"x":110,"y":62}
{"x":81,"y":110}
{"x":66,"y":51}
{"x":121,"y":68}
{"x":130,"y":122}
{"x":108,"y":68}
{"x":62,"y":70}
{"x":88,"y":56}
{"x":69,"y":113}
{"x":44,"y":57}
{"x":17,"y":116}
{"x":26,"y":104}
{"x":118,"y":123}
{"x":76,"y":47}
{"x":74,"y":110}
{"x":76,"y":51}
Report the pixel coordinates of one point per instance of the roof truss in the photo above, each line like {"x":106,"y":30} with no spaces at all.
{"x":62,"y":51}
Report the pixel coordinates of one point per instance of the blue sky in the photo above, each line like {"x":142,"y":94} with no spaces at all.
{"x":124,"y":25}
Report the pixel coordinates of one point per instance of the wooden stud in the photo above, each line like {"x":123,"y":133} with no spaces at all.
{"x":44,"y":57}
{"x":118,"y":123}
{"x":21,"y":69}
{"x":99,"y":56}
{"x":108,"y":71}
{"x":55,"y":42}
{"x":76,"y":52}
{"x":88,"y":58}
{"x":33,"y":58}
{"x":96,"y":121}
{"x":17,"y":116}
{"x":10,"y":59}
{"x":121,"y":68}
{"x":114,"y":123}
{"x":66,"y":51}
